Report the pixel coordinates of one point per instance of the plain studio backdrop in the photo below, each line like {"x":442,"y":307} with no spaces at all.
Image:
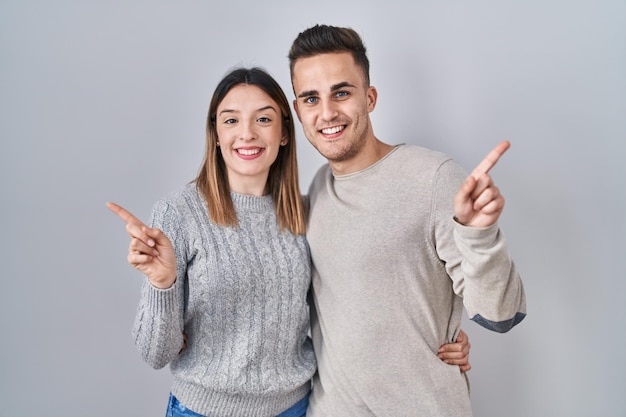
{"x":106,"y":101}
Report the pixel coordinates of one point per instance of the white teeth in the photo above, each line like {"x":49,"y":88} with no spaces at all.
{"x":249,"y":151}
{"x":332,"y":130}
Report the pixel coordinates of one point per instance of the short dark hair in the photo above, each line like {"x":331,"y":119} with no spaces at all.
{"x":323,"y":39}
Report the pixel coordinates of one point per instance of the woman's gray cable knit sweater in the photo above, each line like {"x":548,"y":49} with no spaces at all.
{"x":240,"y":296}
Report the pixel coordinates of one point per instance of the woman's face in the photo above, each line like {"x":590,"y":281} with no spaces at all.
{"x":250,"y":133}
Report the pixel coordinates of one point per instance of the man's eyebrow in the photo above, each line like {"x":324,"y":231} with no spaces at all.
{"x":341,"y":85}
{"x":333,"y":87}
{"x":308,"y":93}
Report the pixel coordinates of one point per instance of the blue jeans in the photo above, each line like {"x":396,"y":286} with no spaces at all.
{"x":298,"y":409}
{"x":176,"y":409}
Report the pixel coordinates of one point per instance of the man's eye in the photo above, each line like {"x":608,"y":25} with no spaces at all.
{"x":341,"y":93}
{"x":310,"y":100}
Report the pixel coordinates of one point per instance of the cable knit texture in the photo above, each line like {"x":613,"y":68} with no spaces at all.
{"x":240,"y":296}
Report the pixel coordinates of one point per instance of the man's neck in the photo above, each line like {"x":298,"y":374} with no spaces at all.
{"x":371,"y":153}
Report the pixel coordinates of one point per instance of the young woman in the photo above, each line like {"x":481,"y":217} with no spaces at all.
{"x":228,"y":265}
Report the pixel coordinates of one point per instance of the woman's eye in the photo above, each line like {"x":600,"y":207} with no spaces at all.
{"x":264,"y":119}
{"x":230,"y":121}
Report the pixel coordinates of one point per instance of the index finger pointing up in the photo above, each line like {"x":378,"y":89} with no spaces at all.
{"x":124,"y":214}
{"x":491,"y":159}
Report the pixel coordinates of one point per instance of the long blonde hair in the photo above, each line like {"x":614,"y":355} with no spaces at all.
{"x":282,"y":181}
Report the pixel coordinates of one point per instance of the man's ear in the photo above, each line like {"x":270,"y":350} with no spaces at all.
{"x":372,"y":96}
{"x":295,"y":107}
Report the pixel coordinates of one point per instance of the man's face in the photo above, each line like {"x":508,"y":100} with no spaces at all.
{"x":333,"y":104}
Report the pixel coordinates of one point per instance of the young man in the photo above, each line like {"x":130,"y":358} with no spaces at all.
{"x":400,"y":241}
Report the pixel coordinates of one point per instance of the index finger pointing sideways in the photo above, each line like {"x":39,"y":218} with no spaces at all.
{"x":123,"y":214}
{"x":491,"y":159}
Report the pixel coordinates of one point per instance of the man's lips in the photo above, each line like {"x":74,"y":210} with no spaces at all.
{"x":332,"y":130}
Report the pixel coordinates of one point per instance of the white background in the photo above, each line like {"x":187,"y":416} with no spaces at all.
{"x":107,"y":101}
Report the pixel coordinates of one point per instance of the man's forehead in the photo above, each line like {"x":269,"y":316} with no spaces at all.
{"x":325,"y":72}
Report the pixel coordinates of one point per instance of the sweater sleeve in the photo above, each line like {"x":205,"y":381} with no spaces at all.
{"x":478,"y":261}
{"x":159,"y":323}
{"x":493,"y":295}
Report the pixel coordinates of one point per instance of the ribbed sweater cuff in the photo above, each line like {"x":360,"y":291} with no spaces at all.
{"x":161,"y":301}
